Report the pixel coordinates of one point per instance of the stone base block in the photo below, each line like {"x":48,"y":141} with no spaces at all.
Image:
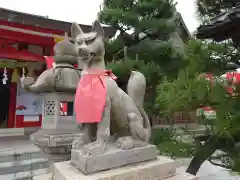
{"x":57,"y":154}
{"x":54,"y":138}
{"x":158,"y":169}
{"x":56,"y":145}
{"x":112,"y":158}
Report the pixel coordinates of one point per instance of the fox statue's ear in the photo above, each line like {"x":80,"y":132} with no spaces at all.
{"x":75,"y":30}
{"x":96,"y":27}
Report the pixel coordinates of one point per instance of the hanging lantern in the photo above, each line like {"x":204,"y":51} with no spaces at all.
{"x":22,"y":77}
{"x":5,"y":76}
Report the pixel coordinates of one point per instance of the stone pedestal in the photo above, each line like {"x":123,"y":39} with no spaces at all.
{"x":158,"y":169}
{"x":58,"y":130}
{"x":56,"y":145}
{"x":112,"y":158}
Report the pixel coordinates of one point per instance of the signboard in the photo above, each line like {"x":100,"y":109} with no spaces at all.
{"x":207,"y":112}
{"x":28,"y":103}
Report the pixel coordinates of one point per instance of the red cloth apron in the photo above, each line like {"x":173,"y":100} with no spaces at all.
{"x":91,"y":94}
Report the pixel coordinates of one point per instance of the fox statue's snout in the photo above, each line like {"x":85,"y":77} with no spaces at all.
{"x":83,"y":52}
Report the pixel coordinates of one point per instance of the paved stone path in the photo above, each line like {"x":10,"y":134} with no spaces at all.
{"x":211,"y":172}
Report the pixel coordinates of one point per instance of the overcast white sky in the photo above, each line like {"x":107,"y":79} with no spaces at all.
{"x":84,"y":11}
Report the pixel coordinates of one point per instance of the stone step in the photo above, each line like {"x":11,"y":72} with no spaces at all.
{"x":23,"y":165}
{"x":11,"y":132}
{"x":22,"y":162}
{"x":25,"y":175}
{"x":13,"y":154}
{"x":184,"y":176}
{"x":43,"y":177}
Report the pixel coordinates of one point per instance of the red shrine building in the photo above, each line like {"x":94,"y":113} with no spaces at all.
{"x":25,"y":41}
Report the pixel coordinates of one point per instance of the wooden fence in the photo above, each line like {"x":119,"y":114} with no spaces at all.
{"x":179,"y":118}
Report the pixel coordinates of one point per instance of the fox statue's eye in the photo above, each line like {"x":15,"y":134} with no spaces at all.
{"x":80,"y":42}
{"x":71,"y":41}
{"x":89,"y":41}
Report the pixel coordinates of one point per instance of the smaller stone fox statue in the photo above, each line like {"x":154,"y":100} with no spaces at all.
{"x":102,"y":108}
{"x":63,"y":77}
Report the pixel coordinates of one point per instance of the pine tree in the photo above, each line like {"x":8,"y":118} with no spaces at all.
{"x":189,"y":92}
{"x":142,"y":43}
{"x":144,"y":27}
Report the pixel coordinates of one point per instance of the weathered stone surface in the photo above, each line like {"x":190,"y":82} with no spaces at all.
{"x":113,"y":157}
{"x":24,"y":175}
{"x":23,"y":165}
{"x":56,"y":145}
{"x":158,"y":169}
{"x":12,"y":132}
{"x":63,"y":78}
{"x":43,"y":177}
{"x":52,"y":118}
{"x":57,"y":132}
{"x":184,"y":176}
{"x":55,"y":138}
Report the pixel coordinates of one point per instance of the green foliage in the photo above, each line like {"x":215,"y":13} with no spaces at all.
{"x":202,"y":56}
{"x":123,"y":68}
{"x":141,"y":15}
{"x":177,"y":149}
{"x":162,"y":135}
{"x":164,"y":139}
{"x":160,"y":53}
{"x":212,"y":57}
{"x":182,"y":95}
{"x":189,"y":92}
{"x":142,"y":25}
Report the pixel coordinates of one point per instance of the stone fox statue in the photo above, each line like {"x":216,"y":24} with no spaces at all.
{"x":102,"y":108}
{"x":62,"y":78}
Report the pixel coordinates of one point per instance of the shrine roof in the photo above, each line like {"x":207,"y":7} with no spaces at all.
{"x":185,"y":34}
{"x":45,"y":22}
{"x":222,"y":27}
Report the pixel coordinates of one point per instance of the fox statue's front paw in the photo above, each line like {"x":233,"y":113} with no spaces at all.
{"x":94,"y":148}
{"x":129,"y":142}
{"x":125,"y":143}
{"x":28,"y":81}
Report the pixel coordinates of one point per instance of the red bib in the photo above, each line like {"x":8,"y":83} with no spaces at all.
{"x":91,"y":94}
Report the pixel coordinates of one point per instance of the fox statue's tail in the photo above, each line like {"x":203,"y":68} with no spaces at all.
{"x":136,"y":90}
